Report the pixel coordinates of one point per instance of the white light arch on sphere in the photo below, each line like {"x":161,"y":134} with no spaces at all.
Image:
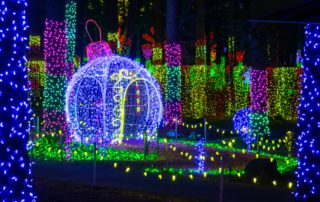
{"x":110,"y":98}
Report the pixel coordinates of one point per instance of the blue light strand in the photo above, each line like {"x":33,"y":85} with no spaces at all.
{"x":308,"y":142}
{"x":241,"y":123}
{"x":200,"y":155}
{"x":15,"y":113}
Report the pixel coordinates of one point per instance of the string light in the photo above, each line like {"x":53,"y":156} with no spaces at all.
{"x":147,"y":52}
{"x":36,"y":78}
{"x":34,"y":43}
{"x":200,"y":155}
{"x":173,"y":84}
{"x":56,"y":68}
{"x":198,"y":93}
{"x":113,"y":41}
{"x":308,"y":181}
{"x":15,"y":175}
{"x":159,"y":69}
{"x":71,"y":19}
{"x":284,"y":92}
{"x":259,"y":120}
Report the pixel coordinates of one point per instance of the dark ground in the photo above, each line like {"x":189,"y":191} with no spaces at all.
{"x":56,"y":181}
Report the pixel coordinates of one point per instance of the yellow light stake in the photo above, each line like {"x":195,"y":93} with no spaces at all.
{"x":254,"y":180}
{"x":191,"y":177}
{"x":274,"y":183}
{"x":290,"y":184}
{"x":160,"y":177}
{"x":204,"y":174}
{"x":145,"y":174}
{"x":127,"y":169}
{"x":173,"y":178}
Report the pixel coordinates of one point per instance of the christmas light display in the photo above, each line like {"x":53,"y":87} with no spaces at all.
{"x":210,"y":91}
{"x":71,"y":11}
{"x":122,"y":10}
{"x":15,"y":175}
{"x":55,"y":47}
{"x":147,"y":52}
{"x":159,"y":69}
{"x":200,"y":156}
{"x":284,"y":92}
{"x":34,"y":43}
{"x":287,"y":92}
{"x":36,"y":74}
{"x":218,"y":78}
{"x":200,"y":58}
{"x":241,"y":82}
{"x":299,"y":58}
{"x":259,"y":120}
{"x":198,"y":86}
{"x":173,"y":84}
{"x":308,"y":181}
{"x":56,"y":67}
{"x":157,"y":53}
{"x":230,"y":91}
{"x":103,"y":104}
{"x":173,"y":55}
{"x":36,"y":78}
{"x":187,"y":111}
{"x":113,"y":39}
{"x":198,"y":80}
{"x":241,"y":123}
{"x":125,"y":46}
{"x":99,"y":48}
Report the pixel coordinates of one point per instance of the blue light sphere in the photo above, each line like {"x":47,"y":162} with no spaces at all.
{"x":241,"y":123}
{"x":112,"y":98}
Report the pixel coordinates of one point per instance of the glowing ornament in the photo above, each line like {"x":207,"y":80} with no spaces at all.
{"x":110,"y":98}
{"x":97,"y":49}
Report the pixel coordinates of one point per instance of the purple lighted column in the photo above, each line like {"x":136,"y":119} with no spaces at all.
{"x":56,"y":77}
{"x":173,"y":85}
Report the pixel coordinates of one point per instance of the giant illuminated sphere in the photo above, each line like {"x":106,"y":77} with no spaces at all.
{"x":111,"y":98}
